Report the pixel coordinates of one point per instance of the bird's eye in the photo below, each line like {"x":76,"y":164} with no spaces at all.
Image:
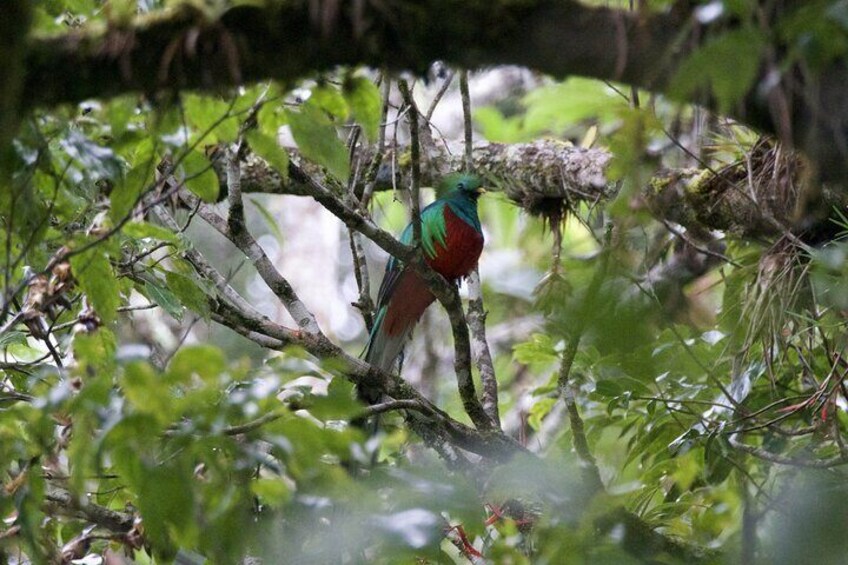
{"x":461,"y":186}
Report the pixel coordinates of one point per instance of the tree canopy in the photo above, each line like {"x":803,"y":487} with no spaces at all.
{"x":198,"y":201}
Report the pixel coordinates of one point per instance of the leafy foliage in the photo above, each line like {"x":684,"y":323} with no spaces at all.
{"x":130,"y":421}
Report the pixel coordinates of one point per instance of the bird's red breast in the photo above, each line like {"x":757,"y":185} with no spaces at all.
{"x":455,"y":259}
{"x":462,"y":248}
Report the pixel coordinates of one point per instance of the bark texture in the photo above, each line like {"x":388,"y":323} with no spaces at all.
{"x":288,"y":40}
{"x":758,"y":198}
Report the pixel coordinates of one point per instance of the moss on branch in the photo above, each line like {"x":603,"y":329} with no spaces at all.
{"x":285,"y":40}
{"x":546,"y":177}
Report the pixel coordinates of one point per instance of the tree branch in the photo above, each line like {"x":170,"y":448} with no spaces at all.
{"x":14,"y":28}
{"x":444,"y":292}
{"x":765,"y":455}
{"x":468,"y":129}
{"x":476,"y":310}
{"x":231,"y":310}
{"x":415,"y":158}
{"x":756,"y":199}
{"x":184,"y":49}
{"x":482,"y":355}
{"x":592,"y":476}
{"x":235,"y":230}
{"x":111,"y":520}
{"x":248,"y":427}
{"x":393,"y":405}
{"x":228,"y":293}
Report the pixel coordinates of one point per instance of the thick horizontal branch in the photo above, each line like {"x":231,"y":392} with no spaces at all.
{"x":284,"y":40}
{"x":183,"y":48}
{"x":758,"y":198}
{"x":528,"y":173}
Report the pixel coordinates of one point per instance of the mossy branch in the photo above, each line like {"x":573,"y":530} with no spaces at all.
{"x":186,"y":48}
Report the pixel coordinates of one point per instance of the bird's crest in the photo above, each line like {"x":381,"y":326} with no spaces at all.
{"x":463,"y":183}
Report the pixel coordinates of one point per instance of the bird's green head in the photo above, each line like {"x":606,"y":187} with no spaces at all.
{"x":465,"y":184}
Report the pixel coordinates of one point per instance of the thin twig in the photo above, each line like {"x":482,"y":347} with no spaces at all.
{"x":761,"y":453}
{"x":466,"y":112}
{"x":377,"y":159}
{"x":363,"y":280}
{"x":415,"y":153}
{"x":236,"y":231}
{"x":438,"y":98}
{"x":700,"y":248}
{"x":476,"y":309}
{"x":255,"y":424}
{"x":393,"y":405}
{"x":566,"y":388}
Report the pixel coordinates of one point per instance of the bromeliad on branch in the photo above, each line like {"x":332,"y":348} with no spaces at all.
{"x":452,"y":241}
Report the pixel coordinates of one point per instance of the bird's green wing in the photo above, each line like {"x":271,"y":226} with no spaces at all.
{"x":433,"y":230}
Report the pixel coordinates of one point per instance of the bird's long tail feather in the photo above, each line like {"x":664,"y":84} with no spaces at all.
{"x":383,"y":349}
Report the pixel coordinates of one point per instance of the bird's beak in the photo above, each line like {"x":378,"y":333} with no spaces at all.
{"x":481,"y":190}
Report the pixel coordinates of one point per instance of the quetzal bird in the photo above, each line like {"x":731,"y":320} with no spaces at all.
{"x":452,"y":241}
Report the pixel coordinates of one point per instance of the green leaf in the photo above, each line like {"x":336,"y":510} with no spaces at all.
{"x":330,"y":100}
{"x":558,"y":106}
{"x":496,"y":127}
{"x":97,"y":280}
{"x":10,"y":338}
{"x":147,"y":392}
{"x":271,"y":118}
{"x":23,"y":352}
{"x":364,"y":100}
{"x":338,"y":404}
{"x":272,"y":492}
{"x":96,"y":349}
{"x":727,"y":65}
{"x":200,"y":177}
{"x":609,"y":388}
{"x":130,"y":187}
{"x":209,"y":116}
{"x":718,"y":460}
{"x":540,"y":349}
{"x":205,"y":361}
{"x":166,"y":503}
{"x":164,"y":298}
{"x":119,"y":111}
{"x":538,"y":412}
{"x":141,"y":230}
{"x":267,"y":147}
{"x":189,"y":293}
{"x":317,"y":139}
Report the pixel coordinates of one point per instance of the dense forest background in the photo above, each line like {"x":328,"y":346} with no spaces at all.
{"x":198,"y":201}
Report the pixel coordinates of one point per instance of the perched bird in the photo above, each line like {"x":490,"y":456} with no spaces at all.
{"x":452,"y":240}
